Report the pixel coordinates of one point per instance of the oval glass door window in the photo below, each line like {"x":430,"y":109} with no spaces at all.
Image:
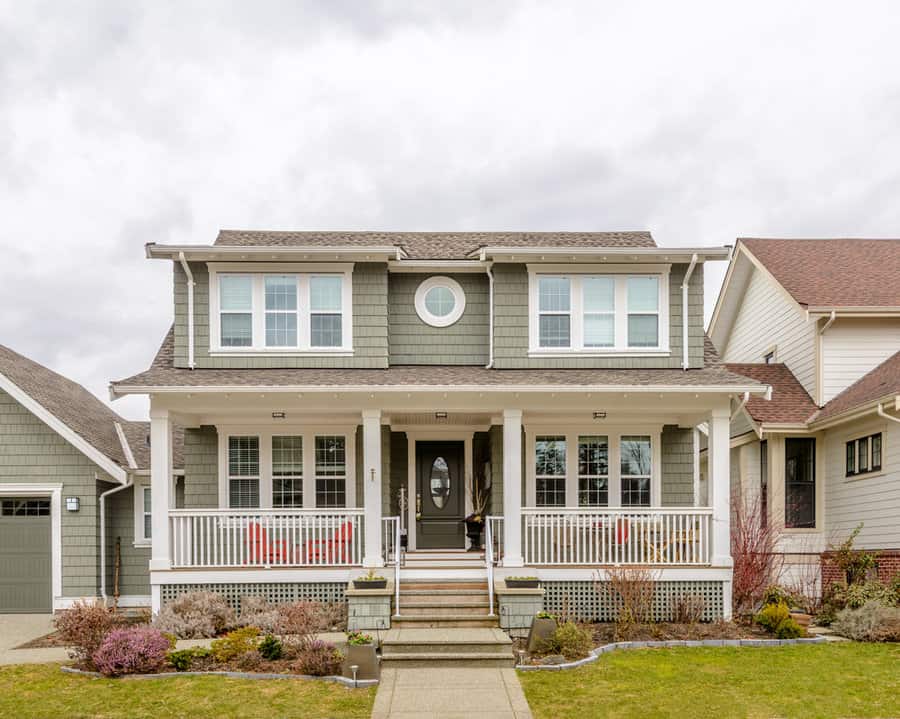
{"x":440,"y":482}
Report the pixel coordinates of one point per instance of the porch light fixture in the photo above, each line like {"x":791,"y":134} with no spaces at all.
{"x":599,"y":415}
{"x":440,"y":415}
{"x":72,"y":504}
{"x":278,"y":415}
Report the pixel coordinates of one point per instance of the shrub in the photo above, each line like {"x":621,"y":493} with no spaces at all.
{"x":873,"y":622}
{"x":688,"y":609}
{"x":854,"y":564}
{"x":184,"y":659}
{"x":84,"y":627}
{"x":132,"y":650}
{"x":771,"y":616}
{"x":300,"y":620}
{"x":753,"y":551}
{"x":358,"y":639}
{"x":257,"y":612}
{"x":318,"y":659}
{"x":195,"y":615}
{"x":235,"y":643}
{"x":777,"y":595}
{"x":570,"y":640}
{"x":332,"y":616}
{"x":630,"y":590}
{"x":270,"y":648}
{"x":788,"y":629}
{"x":249,"y":661}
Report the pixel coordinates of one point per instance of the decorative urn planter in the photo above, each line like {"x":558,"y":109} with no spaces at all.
{"x":801,"y":618}
{"x":473,"y":532}
{"x":542,"y":630}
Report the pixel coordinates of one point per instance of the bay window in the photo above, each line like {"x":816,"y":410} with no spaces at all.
{"x":604,"y":313}
{"x":279,"y":311}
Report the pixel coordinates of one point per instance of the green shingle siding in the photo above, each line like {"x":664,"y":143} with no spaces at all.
{"x":134,"y":570}
{"x":511,"y":326}
{"x":369,"y":324}
{"x":201,"y":468}
{"x":399,"y":466}
{"x":677,"y":467}
{"x":414,"y":342}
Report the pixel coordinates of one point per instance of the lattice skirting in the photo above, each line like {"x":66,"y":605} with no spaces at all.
{"x":582,"y":601}
{"x":275,"y":592}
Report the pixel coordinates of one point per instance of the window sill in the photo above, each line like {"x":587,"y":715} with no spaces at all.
{"x":863,"y":476}
{"x":594,"y":353}
{"x":142,"y":544}
{"x":255,"y":352}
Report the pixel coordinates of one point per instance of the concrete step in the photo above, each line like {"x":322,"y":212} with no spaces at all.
{"x":421,"y":660}
{"x":435,"y":621}
{"x":437,"y":609}
{"x":445,"y":640}
{"x":442,"y":586}
{"x":443,"y":564}
{"x":441,"y":554}
{"x":442,"y":574}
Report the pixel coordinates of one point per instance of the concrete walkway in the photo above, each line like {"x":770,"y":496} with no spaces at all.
{"x":450,"y":693}
{"x":16,"y":629}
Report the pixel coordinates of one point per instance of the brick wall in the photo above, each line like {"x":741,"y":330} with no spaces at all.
{"x":888,"y":567}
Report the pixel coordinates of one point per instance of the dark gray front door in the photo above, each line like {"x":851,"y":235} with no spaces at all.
{"x":25,"y":555}
{"x":441,"y":495}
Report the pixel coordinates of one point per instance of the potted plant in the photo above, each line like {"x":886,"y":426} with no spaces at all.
{"x":370,"y":581}
{"x":522,"y":582}
{"x":361,"y":654}
{"x":543,"y":627}
{"x":475,"y":521}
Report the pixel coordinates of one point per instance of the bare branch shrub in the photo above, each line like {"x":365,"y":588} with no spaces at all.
{"x":753,"y":550}
{"x":629,"y":590}
{"x":83,"y":628}
{"x":688,"y":609}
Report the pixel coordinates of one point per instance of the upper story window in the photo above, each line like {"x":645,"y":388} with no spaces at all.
{"x":864,"y":455}
{"x":281,"y":311}
{"x":601,"y":313}
{"x":440,"y":301}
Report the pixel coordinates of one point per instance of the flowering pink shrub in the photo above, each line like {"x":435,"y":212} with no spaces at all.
{"x":84,"y":627}
{"x":135,"y":650}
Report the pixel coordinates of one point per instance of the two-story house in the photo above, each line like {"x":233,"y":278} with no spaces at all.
{"x":336,"y":387}
{"x":818,"y":321}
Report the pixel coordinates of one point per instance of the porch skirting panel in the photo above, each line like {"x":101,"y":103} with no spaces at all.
{"x":582,"y":601}
{"x":274,"y":592}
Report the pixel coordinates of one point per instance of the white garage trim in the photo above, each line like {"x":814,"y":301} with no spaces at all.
{"x":54,"y":491}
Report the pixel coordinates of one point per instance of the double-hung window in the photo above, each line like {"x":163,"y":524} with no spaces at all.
{"x":598,"y":313}
{"x":143,"y":518}
{"x":593,"y":471}
{"x":864,"y":455}
{"x":243,"y":472}
{"x":287,"y":472}
{"x":800,"y":483}
{"x":331,"y":471}
{"x":283,"y":312}
{"x":550,"y":471}
{"x":635,"y":469}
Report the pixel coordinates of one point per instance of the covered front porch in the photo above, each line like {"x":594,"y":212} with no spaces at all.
{"x":290,"y":487}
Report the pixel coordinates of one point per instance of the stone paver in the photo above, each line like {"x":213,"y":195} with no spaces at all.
{"x":16,"y":629}
{"x":447,"y":693}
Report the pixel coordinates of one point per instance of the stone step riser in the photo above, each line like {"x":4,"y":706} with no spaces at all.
{"x":458,"y":650}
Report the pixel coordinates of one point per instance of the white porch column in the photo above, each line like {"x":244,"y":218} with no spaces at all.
{"x":162,"y":496}
{"x":372,"y":487}
{"x":719,"y":482}
{"x":512,"y":488}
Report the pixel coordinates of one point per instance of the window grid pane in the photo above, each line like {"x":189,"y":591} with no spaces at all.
{"x":148,"y":519}
{"x":555,"y":331}
{"x":439,"y":301}
{"x":331,"y":471}
{"x":281,"y":329}
{"x":243,"y":493}
{"x":325,"y":294}
{"x":599,"y":330}
{"x":281,"y":292}
{"x":635,"y":467}
{"x":643,"y":331}
{"x":550,"y":471}
{"x":554,"y":294}
{"x":643,"y":294}
{"x":593,"y":471}
{"x":243,"y":456}
{"x":25,"y":508}
{"x":862,"y":454}
{"x":236,"y":329}
{"x":235,"y":293}
{"x":800,"y":483}
{"x":326,"y":330}
{"x":851,"y":457}
{"x":876,"y":451}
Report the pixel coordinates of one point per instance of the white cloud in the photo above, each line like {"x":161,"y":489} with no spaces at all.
{"x":124,"y":123}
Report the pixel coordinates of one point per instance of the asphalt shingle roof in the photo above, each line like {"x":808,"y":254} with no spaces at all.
{"x":433,"y":245}
{"x":790,"y":402}
{"x":833,"y":273}
{"x":883,"y":381}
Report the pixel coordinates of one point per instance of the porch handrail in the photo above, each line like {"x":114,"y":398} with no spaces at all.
{"x":489,"y":563}
{"x":393,"y":552}
{"x":559,"y":536}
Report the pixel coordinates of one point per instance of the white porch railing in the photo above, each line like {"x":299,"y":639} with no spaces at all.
{"x":207,"y":538}
{"x":663,"y":536}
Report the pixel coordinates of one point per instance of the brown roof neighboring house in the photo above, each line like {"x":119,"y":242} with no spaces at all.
{"x":163,"y":373}
{"x":881,"y":383}
{"x":835,"y":272}
{"x":79,"y":410}
{"x":433,"y":245}
{"x":790,"y":403}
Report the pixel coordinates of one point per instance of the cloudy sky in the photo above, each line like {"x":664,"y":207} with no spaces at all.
{"x":125,"y":123}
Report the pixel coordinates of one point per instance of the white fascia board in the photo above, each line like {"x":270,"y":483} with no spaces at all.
{"x":265,"y":253}
{"x":606,"y":254}
{"x":873,"y":311}
{"x":126,"y":448}
{"x":63,"y":430}
{"x":855,"y":413}
{"x":383,"y":389}
{"x":429,"y":266}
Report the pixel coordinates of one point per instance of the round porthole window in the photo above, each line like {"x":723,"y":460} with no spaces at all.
{"x":440,"y":301}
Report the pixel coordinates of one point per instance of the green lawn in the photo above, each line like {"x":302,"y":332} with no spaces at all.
{"x":833,"y":680}
{"x":42,"y":690}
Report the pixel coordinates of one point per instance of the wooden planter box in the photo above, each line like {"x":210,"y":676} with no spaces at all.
{"x":523,"y":583}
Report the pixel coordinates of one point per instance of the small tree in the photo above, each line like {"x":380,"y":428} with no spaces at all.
{"x":753,"y":551}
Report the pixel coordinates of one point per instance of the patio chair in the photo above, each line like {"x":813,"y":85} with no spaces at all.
{"x":336,"y":550}
{"x":262,"y":550}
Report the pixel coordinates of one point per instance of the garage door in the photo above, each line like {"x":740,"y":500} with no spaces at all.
{"x":25,"y":563}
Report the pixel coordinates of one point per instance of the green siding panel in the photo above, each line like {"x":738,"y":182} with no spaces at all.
{"x":134,"y":562}
{"x":201,"y":468}
{"x":677,"y":467}
{"x":414,"y":342}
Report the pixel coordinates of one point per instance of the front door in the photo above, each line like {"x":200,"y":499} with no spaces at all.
{"x":440,"y":495}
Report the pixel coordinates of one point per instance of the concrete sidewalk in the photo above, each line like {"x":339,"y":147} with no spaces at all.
{"x":16,"y":629}
{"x":450,"y":693}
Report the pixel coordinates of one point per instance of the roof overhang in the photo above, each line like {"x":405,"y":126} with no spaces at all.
{"x":601,"y":254}
{"x":207,"y":253}
{"x":450,"y":266}
{"x":857,"y":412}
{"x":822,"y":311}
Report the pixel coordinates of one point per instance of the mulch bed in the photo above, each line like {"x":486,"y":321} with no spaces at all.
{"x":606,"y":633}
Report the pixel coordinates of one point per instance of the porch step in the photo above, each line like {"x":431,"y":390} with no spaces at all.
{"x":436,"y":554}
{"x":445,"y":647}
{"x":439,"y":609}
{"x":441,"y":620}
{"x":442,"y":586}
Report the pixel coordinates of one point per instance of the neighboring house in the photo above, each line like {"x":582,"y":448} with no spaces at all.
{"x":64,"y":455}
{"x":321,"y":376}
{"x":819,"y":322}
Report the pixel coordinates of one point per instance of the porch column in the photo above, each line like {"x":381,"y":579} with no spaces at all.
{"x":512,"y":488}
{"x":719,"y":483}
{"x":161,"y":494}
{"x":371,"y":464}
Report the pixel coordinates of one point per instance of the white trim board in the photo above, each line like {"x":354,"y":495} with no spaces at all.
{"x":63,"y":430}
{"x":54,"y":491}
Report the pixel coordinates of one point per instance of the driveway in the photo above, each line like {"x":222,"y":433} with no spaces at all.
{"x":16,"y":629}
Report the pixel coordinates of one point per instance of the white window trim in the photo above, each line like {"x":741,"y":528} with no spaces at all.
{"x":459,"y":297}
{"x":265,"y":434}
{"x":576,"y":310}
{"x":257,"y":272}
{"x":139,"y":510}
{"x":614,"y":483}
